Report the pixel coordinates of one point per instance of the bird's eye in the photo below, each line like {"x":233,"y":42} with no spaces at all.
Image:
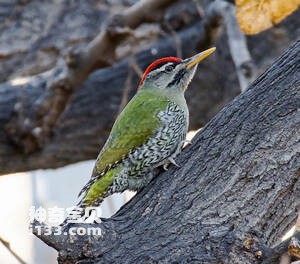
{"x":169,"y":68}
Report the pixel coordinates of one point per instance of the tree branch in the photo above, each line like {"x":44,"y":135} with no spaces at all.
{"x":237,"y":42}
{"x":70,"y":73}
{"x":99,"y":97}
{"x":84,"y":125}
{"x":234,"y":196}
{"x":7,"y":245}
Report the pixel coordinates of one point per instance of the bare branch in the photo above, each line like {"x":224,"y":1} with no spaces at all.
{"x":70,"y":73}
{"x":7,"y":245}
{"x":106,"y":86}
{"x":126,"y":90}
{"x":133,"y":65}
{"x":240,"y":54}
{"x":176,"y":40}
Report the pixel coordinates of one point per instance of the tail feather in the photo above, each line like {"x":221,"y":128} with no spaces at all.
{"x":88,"y":185}
{"x":93,"y":193}
{"x":85,"y":188}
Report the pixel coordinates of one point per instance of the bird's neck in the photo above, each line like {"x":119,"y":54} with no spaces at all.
{"x":168,"y":94}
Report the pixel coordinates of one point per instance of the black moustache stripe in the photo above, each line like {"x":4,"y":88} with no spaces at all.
{"x":178,"y":76}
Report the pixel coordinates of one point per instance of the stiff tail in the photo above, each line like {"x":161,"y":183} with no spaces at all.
{"x":91,"y":196}
{"x":93,"y":193}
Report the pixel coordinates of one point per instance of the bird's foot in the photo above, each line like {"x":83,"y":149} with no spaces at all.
{"x":170,"y":161}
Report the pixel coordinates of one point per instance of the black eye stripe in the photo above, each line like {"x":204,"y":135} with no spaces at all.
{"x":162,"y":66}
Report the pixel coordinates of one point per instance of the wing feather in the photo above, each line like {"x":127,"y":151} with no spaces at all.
{"x":134,"y":126}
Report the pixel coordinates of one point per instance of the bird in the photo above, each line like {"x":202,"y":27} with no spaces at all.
{"x":148,"y":133}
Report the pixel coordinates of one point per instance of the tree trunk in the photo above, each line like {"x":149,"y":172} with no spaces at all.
{"x":83,"y":127}
{"x":234,"y":196}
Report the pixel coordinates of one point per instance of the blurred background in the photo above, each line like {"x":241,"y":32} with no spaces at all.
{"x":57,"y":105}
{"x":45,"y":188}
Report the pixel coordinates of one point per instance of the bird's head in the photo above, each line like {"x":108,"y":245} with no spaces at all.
{"x":171,"y":73}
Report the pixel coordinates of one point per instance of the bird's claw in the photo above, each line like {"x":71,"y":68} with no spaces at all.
{"x":172,"y":161}
{"x":166,"y":166}
{"x":169,"y":161}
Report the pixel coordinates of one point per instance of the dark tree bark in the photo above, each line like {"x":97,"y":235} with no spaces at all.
{"x":85,"y":124}
{"x":234,"y":196}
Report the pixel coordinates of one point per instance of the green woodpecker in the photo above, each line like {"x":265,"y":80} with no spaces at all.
{"x":149,"y":132}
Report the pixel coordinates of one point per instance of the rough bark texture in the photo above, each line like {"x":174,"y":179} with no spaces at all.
{"x":234,"y":196}
{"x":84,"y":125}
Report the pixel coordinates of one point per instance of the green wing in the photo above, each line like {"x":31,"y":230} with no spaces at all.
{"x":134,"y":126}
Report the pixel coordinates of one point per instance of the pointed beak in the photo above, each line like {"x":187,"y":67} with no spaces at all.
{"x":198,"y":57}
